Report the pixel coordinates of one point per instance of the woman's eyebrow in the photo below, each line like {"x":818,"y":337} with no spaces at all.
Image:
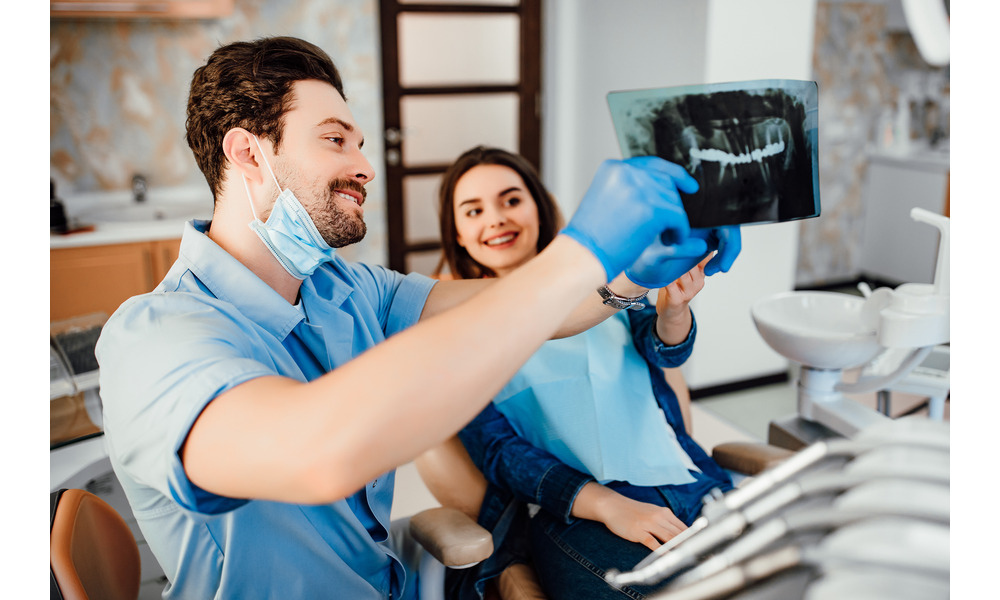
{"x":501,"y":194}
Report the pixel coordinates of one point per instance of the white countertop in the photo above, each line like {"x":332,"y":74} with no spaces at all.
{"x":918,"y":156}
{"x":120,"y":233}
{"x":118,"y":219}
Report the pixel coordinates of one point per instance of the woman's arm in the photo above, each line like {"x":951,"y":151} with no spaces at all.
{"x":673,"y":317}
{"x":636,"y":521}
{"x":511,"y":463}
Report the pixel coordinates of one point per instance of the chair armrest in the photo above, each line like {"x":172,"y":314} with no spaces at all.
{"x":451,"y":537}
{"x":749,"y":458}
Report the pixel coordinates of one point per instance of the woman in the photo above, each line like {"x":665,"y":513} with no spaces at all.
{"x":586,"y":448}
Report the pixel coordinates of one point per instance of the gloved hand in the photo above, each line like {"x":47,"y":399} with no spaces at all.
{"x":628,"y":205}
{"x":664,"y":261}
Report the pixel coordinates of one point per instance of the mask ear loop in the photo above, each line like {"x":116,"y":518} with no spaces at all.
{"x":269,"y":170}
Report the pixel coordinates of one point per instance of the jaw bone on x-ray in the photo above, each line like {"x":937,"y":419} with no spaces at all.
{"x":752,"y":146}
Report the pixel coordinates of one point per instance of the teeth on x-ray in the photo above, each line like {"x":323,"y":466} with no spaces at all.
{"x":728,"y":158}
{"x":751,"y":146}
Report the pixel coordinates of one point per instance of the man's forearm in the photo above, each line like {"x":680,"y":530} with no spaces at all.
{"x":385,"y":407}
{"x":593,"y":310}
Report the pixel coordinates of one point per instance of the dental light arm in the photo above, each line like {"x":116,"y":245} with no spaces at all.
{"x":930,"y":26}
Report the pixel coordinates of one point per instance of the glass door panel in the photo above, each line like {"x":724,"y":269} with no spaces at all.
{"x":421,"y":219}
{"x":440,"y":50}
{"x":436,"y":129}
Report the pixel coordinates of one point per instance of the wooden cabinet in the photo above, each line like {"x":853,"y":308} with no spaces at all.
{"x":90,"y":279}
{"x":146,"y":9}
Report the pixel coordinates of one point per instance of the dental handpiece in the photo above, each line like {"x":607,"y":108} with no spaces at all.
{"x":729,"y":520}
{"x":920,"y":500}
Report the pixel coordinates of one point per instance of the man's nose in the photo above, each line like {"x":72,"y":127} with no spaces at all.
{"x":363,"y":170}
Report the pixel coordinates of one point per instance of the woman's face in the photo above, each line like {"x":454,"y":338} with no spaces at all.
{"x":496,"y":218}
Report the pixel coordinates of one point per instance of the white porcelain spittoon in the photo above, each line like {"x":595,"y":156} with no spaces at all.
{"x":827,"y":332}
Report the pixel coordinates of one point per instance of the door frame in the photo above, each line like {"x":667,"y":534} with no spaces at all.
{"x":528,"y":89}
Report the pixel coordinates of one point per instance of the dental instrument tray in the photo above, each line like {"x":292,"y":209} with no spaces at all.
{"x":752,"y":146}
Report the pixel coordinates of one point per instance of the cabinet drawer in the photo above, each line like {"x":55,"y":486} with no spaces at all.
{"x":99,"y":278}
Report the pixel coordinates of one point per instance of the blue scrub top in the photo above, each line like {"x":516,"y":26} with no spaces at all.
{"x":209,"y":326}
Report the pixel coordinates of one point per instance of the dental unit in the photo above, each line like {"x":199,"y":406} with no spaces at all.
{"x":873,"y":474}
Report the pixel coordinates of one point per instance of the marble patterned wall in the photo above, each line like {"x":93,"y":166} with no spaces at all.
{"x":119,"y":93}
{"x":119,"y":89}
{"x":860,"y":65}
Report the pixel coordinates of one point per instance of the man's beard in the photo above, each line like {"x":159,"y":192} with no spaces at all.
{"x":340,"y":227}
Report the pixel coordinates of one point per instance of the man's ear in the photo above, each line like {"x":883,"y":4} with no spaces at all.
{"x":243,"y":154}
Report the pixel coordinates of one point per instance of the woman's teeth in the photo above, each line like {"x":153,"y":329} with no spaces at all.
{"x":503,"y":239}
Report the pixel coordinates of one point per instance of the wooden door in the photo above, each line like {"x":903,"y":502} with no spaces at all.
{"x":454,"y":75}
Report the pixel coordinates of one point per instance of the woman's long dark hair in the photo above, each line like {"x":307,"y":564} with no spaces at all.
{"x":457,"y":259}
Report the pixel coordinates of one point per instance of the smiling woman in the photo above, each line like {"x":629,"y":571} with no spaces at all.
{"x":490,"y":234}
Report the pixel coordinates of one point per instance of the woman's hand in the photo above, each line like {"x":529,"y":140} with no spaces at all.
{"x":639,"y":522}
{"x":673,"y":319}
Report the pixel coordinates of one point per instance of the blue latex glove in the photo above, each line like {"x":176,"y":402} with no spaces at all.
{"x":629,"y":204}
{"x":664,"y":261}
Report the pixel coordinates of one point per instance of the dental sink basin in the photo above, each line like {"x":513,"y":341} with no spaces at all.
{"x":826,"y":330}
{"x":161,"y":211}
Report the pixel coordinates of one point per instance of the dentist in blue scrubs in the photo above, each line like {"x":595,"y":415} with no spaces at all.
{"x":257,"y":401}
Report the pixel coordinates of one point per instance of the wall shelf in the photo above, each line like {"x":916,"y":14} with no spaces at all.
{"x":136,"y":9}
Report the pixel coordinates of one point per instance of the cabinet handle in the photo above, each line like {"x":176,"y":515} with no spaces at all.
{"x":150,"y":266}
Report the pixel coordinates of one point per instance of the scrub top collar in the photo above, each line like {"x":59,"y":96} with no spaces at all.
{"x":229,"y":280}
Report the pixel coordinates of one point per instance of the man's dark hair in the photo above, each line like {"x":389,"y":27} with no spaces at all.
{"x":248,"y":85}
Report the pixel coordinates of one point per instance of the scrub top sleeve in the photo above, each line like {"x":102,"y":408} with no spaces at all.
{"x":151,"y":401}
{"x":408,"y":302}
{"x":400,"y":298}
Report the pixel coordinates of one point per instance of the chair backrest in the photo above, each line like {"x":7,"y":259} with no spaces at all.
{"x":93,"y":554}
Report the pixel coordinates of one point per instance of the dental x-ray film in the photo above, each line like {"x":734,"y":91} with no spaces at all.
{"x":752,"y":146}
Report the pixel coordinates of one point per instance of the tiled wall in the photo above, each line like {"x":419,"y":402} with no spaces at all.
{"x":119,"y":93}
{"x":119,"y":89}
{"x":860,"y":66}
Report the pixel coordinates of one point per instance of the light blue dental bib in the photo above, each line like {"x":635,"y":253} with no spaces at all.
{"x":592,"y":406}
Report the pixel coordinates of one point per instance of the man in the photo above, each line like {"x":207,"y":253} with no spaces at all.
{"x":254,"y":407}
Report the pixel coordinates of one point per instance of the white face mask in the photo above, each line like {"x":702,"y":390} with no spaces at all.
{"x":290,"y":234}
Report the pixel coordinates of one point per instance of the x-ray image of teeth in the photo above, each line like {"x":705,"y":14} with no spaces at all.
{"x":752,"y":146}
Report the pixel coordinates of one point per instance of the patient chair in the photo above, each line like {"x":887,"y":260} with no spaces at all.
{"x":450,"y":533}
{"x":92,"y":553}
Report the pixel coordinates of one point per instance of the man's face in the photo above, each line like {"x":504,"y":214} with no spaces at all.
{"x":320,"y":160}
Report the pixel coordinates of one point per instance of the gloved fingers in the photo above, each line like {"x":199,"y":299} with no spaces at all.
{"x":730,"y":244}
{"x":681,"y":179}
{"x":689,"y":248}
{"x":659,"y":265}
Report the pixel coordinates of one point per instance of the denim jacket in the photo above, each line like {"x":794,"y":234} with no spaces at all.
{"x":519,"y":473}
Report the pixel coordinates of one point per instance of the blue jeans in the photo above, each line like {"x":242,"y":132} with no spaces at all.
{"x":571,"y":559}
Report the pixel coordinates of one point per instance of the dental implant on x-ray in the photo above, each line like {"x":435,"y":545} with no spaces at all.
{"x":751,"y":145}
